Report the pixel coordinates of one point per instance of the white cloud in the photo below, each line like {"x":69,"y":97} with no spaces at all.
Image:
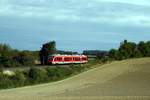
{"x":134,"y":2}
{"x":92,"y":20}
{"x":95,"y":11}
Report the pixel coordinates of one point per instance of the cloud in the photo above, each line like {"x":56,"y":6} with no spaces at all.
{"x":104,"y":21}
{"x":134,"y":2}
{"x":113,"y":12}
{"x":97,"y":11}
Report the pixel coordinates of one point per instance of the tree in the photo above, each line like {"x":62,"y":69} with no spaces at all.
{"x":13,"y":58}
{"x":113,"y":54}
{"x":137,"y":53}
{"x":24,"y":58}
{"x":127,"y":49}
{"x":142,"y":48}
{"x":148,"y":48}
{"x":130,"y":50}
{"x":5,"y":50}
{"x":46,"y":50}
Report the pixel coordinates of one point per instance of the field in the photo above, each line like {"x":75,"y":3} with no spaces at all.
{"x":120,"y":80}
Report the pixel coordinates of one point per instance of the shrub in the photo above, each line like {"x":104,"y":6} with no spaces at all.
{"x":18,"y":79}
{"x":5,"y":81}
{"x":56,"y":73}
{"x":37,"y":75}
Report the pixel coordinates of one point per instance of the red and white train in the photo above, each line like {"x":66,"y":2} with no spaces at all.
{"x":67,"y":59}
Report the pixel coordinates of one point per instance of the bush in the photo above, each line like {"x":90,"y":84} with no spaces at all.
{"x":56,"y":73}
{"x":25,"y":58}
{"x":53,"y":73}
{"x":14,"y":58}
{"x":5,"y":81}
{"x":8,"y":62}
{"x":37,"y":75}
{"x":76,"y":68}
{"x":18,"y":79}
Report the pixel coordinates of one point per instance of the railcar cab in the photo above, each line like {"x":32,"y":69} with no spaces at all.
{"x":50,"y":59}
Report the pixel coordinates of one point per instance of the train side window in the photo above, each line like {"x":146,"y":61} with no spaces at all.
{"x":67,"y":59}
{"x":77,"y":59}
{"x":84,"y":58}
{"x":58,"y":59}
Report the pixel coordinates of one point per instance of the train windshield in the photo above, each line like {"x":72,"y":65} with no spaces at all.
{"x":50,"y":58}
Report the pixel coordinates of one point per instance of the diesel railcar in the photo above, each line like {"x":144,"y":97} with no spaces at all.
{"x":67,"y":59}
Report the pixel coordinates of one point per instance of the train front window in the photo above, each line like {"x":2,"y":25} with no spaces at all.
{"x":50,"y":58}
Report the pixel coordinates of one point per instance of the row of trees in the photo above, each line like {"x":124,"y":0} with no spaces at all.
{"x":13,"y":58}
{"x":130,"y":50}
{"x":126,"y":50}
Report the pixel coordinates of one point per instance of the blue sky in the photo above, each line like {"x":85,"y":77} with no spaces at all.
{"x":74,"y":24}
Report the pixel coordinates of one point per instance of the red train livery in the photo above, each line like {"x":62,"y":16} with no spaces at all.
{"x":67,"y":59}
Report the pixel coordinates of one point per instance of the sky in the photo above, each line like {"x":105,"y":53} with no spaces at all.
{"x":74,"y":24}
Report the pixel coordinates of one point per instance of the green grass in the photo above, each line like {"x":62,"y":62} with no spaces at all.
{"x":120,"y":80}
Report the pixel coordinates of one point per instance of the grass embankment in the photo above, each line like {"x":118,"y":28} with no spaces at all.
{"x":120,"y":80}
{"x":18,"y":77}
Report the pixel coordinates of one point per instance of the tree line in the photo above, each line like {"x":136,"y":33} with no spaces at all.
{"x":14,"y":58}
{"x":128,"y":50}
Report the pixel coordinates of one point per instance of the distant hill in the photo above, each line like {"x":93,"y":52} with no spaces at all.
{"x":120,"y":80}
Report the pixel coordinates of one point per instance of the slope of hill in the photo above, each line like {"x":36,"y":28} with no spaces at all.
{"x":121,"y":80}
